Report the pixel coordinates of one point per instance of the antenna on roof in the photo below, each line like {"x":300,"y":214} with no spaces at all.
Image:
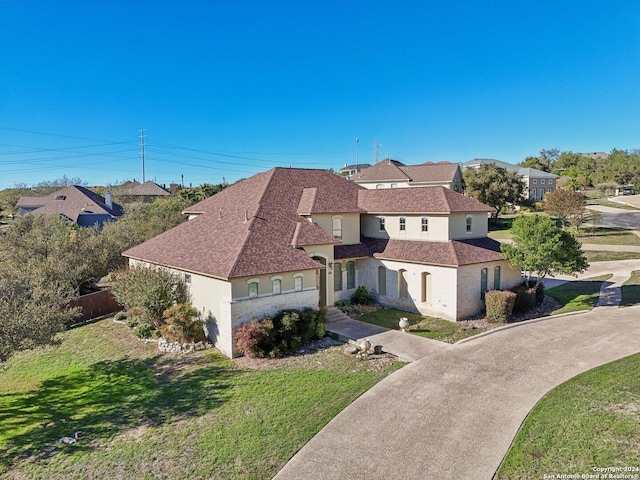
{"x":376,"y":145}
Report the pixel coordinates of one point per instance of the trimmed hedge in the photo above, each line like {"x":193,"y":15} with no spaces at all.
{"x":499,"y":305}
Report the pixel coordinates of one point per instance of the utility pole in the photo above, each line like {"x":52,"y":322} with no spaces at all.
{"x":377,"y":151}
{"x":142,"y":151}
{"x":357,"y":159}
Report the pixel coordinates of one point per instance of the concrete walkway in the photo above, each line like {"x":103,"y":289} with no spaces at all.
{"x":453,"y":413}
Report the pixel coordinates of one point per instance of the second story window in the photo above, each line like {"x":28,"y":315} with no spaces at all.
{"x":337,"y":228}
{"x":297,"y":283}
{"x":425,"y":224}
{"x":381,"y":224}
{"x":276,"y":286}
{"x":469,"y":224}
{"x":253,"y":290}
{"x":403,"y":224}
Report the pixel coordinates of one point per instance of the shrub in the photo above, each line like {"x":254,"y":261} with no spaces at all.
{"x":525,"y":298}
{"x":361,"y":296}
{"x":120,"y":316}
{"x":133,"y":322}
{"x":499,"y":305}
{"x":182,"y":323}
{"x":144,"y":330}
{"x":283,"y":334}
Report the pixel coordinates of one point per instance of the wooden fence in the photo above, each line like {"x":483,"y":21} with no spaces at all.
{"x":95,"y":305}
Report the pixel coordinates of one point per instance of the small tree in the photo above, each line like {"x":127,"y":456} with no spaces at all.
{"x":542,"y":248}
{"x":493,"y":186}
{"x":182,"y":324}
{"x":567,"y":205}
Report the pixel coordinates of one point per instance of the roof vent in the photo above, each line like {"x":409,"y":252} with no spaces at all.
{"x":246,"y":214}
{"x":60,"y":197}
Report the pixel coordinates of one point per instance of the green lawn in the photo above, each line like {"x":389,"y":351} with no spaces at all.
{"x":429,"y":327}
{"x":593,"y":420}
{"x":146,"y":415}
{"x":578,"y":295}
{"x":631,"y":290}
{"x":613,"y":237}
{"x":596,"y":256}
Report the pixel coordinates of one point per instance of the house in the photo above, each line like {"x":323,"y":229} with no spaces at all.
{"x":536,"y":182}
{"x":140,"y":192}
{"x":349,"y":171}
{"x":78,"y":204}
{"x":394,"y":174}
{"x":295,"y":238}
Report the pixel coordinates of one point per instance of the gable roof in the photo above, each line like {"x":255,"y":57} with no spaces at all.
{"x":73,"y":202}
{"x":418,"y":200}
{"x":254,"y":227}
{"x":523,"y":172}
{"x":145,"y":189}
{"x":453,"y":253}
{"x":392,"y":170}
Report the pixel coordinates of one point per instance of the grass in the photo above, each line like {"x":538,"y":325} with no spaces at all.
{"x":578,"y":295}
{"x":604,"y":236}
{"x":595,"y":256}
{"x":593,"y":420}
{"x":603,"y":201}
{"x":631,"y":290}
{"x":428,"y":327}
{"x":147,"y":415}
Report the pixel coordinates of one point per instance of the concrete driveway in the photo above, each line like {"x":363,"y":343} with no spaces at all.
{"x":454,"y":413}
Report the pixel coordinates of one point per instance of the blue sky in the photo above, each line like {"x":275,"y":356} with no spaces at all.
{"x":232,"y":88}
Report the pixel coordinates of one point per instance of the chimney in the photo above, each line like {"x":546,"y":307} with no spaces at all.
{"x":108,"y":200}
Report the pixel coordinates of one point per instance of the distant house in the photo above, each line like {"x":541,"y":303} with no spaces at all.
{"x":140,"y":192}
{"x":390,"y":173}
{"x":294,"y":238}
{"x":536,"y":182}
{"x":349,"y":171}
{"x":595,"y":155}
{"x":78,"y":204}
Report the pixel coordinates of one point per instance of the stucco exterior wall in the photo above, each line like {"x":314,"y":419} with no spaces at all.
{"x":438,"y":230}
{"x":350,"y":225}
{"x":346,"y":293}
{"x":458,"y":225}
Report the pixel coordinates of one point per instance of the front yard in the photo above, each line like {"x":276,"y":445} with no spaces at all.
{"x":141,"y":414}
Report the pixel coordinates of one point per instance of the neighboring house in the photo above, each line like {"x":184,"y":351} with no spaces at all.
{"x":536,"y":182}
{"x":140,"y":192}
{"x":294,"y":238}
{"x":349,"y":171}
{"x":77,"y":204}
{"x":394,"y":174}
{"x":595,"y":155}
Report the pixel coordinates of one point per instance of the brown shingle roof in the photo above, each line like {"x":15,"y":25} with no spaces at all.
{"x":72,"y":202}
{"x":453,"y":253}
{"x":253,"y":227}
{"x":418,"y":200}
{"x":392,"y":170}
{"x":147,"y":188}
{"x":386,"y":170}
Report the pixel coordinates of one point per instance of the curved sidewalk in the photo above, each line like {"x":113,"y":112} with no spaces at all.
{"x":454,"y":413}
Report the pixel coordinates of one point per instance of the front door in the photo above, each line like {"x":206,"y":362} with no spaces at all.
{"x":321,"y":281}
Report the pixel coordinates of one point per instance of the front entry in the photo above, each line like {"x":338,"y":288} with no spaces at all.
{"x":321,"y":281}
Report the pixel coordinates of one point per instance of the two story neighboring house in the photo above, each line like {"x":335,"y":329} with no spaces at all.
{"x":294,"y":238}
{"x":536,"y":182}
{"x":394,"y":174}
{"x":77,"y":204}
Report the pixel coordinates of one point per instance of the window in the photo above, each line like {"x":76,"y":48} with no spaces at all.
{"x":276,"y":286}
{"x":425,"y":224}
{"x":337,"y":277}
{"x":297,"y":283}
{"x":187,"y":278}
{"x":379,"y":186}
{"x":382,"y":280}
{"x":532,"y":195}
{"x":535,"y":181}
{"x":484,"y":274}
{"x":548,"y":190}
{"x":253,"y":290}
{"x":425,"y":286}
{"x":403,"y":288}
{"x":496,"y":278}
{"x":403,"y":224}
{"x":381,"y":224}
{"x":469,"y":224}
{"x":542,"y":194}
{"x":551,"y":181}
{"x":351,"y":274}
{"x":337,"y":228}
{"x":542,"y":181}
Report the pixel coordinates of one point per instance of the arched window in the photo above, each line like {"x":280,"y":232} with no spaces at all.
{"x":382,"y":280}
{"x":337,"y":277}
{"x":425,"y":287}
{"x":337,"y":228}
{"x":496,"y":278}
{"x":276,"y":286}
{"x":297,"y":283}
{"x":403,"y":287}
{"x":351,"y":274}
{"x":484,"y":285}
{"x":469,"y":223}
{"x":253,"y":289}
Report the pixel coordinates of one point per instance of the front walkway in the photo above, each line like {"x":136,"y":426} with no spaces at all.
{"x":453,"y":413}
